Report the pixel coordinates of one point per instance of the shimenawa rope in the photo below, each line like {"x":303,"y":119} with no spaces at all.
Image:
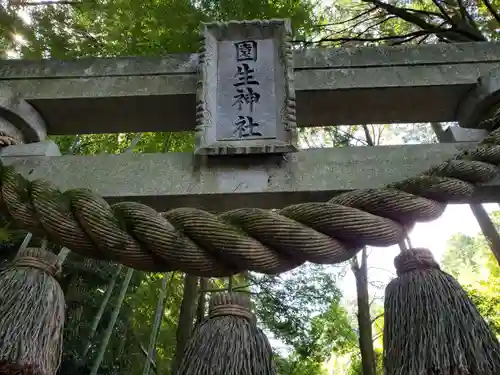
{"x":203,"y":244}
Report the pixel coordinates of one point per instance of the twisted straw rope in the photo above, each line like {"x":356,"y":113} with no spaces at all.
{"x":203,"y":244}
{"x":8,"y":140}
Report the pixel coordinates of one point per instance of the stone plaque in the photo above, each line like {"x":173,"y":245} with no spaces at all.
{"x":245,"y":93}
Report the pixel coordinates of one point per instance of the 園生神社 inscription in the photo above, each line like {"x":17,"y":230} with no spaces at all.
{"x":246,"y":99}
{"x":247,"y":87}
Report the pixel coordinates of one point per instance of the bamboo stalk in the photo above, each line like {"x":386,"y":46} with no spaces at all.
{"x":100,"y":311}
{"x":112,"y":322}
{"x":160,"y":309}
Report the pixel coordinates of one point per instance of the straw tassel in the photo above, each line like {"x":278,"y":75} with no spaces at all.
{"x":31,"y":314}
{"x":228,"y":342}
{"x":431,"y":325}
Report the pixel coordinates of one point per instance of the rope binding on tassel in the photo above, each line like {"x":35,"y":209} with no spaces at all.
{"x":233,"y":303}
{"x":414,"y":259}
{"x":49,"y":264}
{"x":228,"y":342}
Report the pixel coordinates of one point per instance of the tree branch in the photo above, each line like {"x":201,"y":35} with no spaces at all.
{"x":368,"y":28}
{"x":355,"y":265}
{"x":362,"y":141}
{"x":492,"y":10}
{"x":46,"y":2}
{"x":359,"y":39}
{"x":376,"y":337}
{"x":368,"y":136}
{"x":443,"y":11}
{"x":413,"y":37}
{"x":401,"y":13}
{"x":377,"y":317}
{"x":454,"y":34}
{"x":353,"y":26}
{"x":423,"y":12}
{"x":362,"y":14}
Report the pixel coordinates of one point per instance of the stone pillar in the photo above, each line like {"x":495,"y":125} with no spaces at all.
{"x":23,"y":130}
{"x":20,"y":122}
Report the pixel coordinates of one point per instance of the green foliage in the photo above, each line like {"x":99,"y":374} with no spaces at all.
{"x":295,"y":365}
{"x":118,"y":143}
{"x":470,"y":260}
{"x":144,"y":302}
{"x":302,"y":309}
{"x":355,"y":367}
{"x":125,"y":27}
{"x":84,"y":282}
{"x":328,"y":136}
{"x":411,"y":22}
{"x":487,"y":300}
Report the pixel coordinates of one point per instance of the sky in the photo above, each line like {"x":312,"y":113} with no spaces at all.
{"x":457,"y":218}
{"x":432,"y":235}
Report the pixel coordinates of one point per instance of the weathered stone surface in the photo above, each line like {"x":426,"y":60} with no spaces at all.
{"x":311,"y":58}
{"x":19,"y":119}
{"x":44,"y":148}
{"x":176,"y":180}
{"x":457,"y":134}
{"x":245,"y":93}
{"x":385,"y":84}
{"x":481,"y":102}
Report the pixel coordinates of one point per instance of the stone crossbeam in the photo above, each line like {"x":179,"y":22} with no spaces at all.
{"x":334,"y":86}
{"x":171,"y":180}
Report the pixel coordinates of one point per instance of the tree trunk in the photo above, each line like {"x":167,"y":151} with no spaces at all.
{"x":488,"y":229}
{"x":364,"y":319}
{"x":185,"y":325}
{"x":200,"y":309}
{"x":483,"y":219}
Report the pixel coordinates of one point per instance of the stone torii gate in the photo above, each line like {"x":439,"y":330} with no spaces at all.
{"x":443,"y":82}
{"x":244,"y":95}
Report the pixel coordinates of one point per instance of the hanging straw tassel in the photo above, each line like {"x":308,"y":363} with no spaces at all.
{"x":228,"y":342}
{"x":431,"y":325}
{"x":31,"y":314}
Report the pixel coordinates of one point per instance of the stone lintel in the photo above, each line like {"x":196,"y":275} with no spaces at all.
{"x":43,"y":148}
{"x":166,"y":181}
{"x":390,"y":84}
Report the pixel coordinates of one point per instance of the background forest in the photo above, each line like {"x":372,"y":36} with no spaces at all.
{"x":315,"y":328}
